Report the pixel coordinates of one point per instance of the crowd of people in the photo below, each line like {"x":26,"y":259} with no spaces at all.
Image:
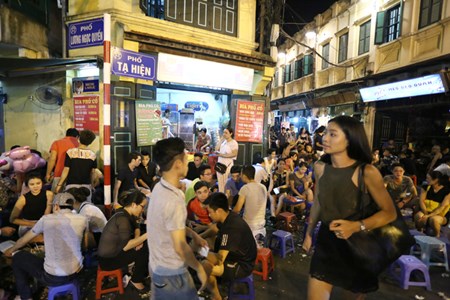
{"x":173,"y":218}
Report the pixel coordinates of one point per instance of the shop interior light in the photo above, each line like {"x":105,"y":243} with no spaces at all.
{"x":295,"y":120}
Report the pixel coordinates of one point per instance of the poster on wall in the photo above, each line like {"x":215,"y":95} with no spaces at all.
{"x":249,"y":121}
{"x":148,"y":122}
{"x":86,"y":113}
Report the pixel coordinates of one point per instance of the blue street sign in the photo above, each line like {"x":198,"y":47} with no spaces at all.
{"x":85,"y":34}
{"x":133,"y":64}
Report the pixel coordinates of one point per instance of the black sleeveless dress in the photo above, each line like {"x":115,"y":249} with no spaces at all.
{"x":332,"y":260}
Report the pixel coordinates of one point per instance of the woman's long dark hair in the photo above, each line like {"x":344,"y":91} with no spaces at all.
{"x":358,"y":145}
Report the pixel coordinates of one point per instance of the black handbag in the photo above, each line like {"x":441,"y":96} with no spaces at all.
{"x":374,"y":250}
{"x":220,"y":167}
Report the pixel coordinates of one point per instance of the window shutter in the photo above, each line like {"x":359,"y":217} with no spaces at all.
{"x":379,"y":29}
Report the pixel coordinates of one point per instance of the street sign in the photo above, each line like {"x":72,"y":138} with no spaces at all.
{"x":85,"y":34}
{"x":133,"y":64}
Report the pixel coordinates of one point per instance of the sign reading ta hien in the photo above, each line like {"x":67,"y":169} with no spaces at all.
{"x":85,"y":34}
{"x":133,"y":64}
{"x":249,"y":121}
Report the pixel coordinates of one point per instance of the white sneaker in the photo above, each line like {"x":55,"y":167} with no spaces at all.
{"x":126,"y":279}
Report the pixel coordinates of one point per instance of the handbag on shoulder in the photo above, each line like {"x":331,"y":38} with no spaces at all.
{"x":220,"y":167}
{"x":376,"y":249}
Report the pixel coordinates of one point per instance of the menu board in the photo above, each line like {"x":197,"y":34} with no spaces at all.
{"x":86,"y":113}
{"x":148,"y":122}
{"x":249,"y":121}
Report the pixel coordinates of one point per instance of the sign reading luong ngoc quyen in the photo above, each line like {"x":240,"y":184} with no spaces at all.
{"x":85,"y":34}
{"x":133,"y":64}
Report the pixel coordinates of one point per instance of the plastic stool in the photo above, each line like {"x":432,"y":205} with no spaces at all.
{"x":427,"y":245}
{"x":264,"y":257}
{"x":407,"y":264}
{"x":415,"y":232}
{"x":251,"y":288}
{"x":69,"y":288}
{"x":284,"y":242}
{"x":101,"y":275}
{"x":287,"y":217}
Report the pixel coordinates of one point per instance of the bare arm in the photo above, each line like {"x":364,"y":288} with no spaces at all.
{"x":21,"y":242}
{"x":239,"y":204}
{"x":51,"y":165}
{"x":48,"y":209}
{"x":64,"y":174}
{"x":135,"y":242}
{"x":423,"y":196}
{"x":17,"y":210}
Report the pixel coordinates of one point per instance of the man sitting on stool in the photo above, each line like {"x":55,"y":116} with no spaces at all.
{"x":63,"y":234}
{"x":235,"y":248}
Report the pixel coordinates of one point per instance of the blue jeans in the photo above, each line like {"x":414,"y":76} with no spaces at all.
{"x":25,"y":264}
{"x":174,"y":287}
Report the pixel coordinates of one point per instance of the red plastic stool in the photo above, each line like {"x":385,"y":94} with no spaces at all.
{"x":287,"y":217}
{"x":101,"y":275}
{"x":264,"y":257}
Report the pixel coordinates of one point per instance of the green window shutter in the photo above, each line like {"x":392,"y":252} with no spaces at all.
{"x":287,"y":73}
{"x":379,"y":29}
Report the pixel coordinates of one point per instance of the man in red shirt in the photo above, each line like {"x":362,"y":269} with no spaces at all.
{"x":58,"y":154}
{"x":196,"y":210}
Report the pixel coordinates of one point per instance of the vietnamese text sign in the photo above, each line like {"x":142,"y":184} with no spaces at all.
{"x":148,"y":122}
{"x":133,"y":64}
{"x":85,"y":34}
{"x":85,"y":110}
{"x":431,"y":84}
{"x":249,"y":121}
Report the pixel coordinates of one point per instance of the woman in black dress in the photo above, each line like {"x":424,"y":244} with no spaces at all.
{"x":346,"y":147}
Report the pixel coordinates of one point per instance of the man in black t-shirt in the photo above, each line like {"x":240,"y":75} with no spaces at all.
{"x":194,"y":166}
{"x":147,"y":172}
{"x":126,"y":178}
{"x":235,"y":248}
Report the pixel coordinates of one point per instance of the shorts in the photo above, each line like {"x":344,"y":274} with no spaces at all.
{"x":232,"y":271}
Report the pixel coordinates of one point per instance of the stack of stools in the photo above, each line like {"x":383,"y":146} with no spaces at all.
{"x":408,"y":264}
{"x":101,"y":275}
{"x":265,"y":259}
{"x":72,"y":288}
{"x":232,"y":294}
{"x":427,"y":244}
{"x":282,"y":242}
{"x":287,"y":217}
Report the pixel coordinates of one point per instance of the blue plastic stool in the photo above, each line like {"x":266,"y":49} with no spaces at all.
{"x":251,"y":288}
{"x":69,"y":288}
{"x":408,"y":264}
{"x":284,"y":242}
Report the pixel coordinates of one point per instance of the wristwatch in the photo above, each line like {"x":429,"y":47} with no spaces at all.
{"x":362,"y":226}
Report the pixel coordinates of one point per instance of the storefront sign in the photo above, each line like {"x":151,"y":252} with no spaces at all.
{"x":197,"y":105}
{"x":187,"y":70}
{"x":133,"y":64}
{"x":85,"y":85}
{"x":85,"y":34}
{"x":86,"y":112}
{"x":148,"y":122}
{"x":249,"y":121}
{"x":431,"y":84}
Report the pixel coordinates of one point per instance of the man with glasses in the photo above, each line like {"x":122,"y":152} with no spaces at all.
{"x":170,"y":254}
{"x":205,"y":175}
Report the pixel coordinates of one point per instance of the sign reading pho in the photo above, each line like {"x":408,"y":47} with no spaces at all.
{"x":133,"y":64}
{"x":249,"y":121}
{"x":85,"y":34}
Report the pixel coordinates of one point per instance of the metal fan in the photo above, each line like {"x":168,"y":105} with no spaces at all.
{"x":47,"y":97}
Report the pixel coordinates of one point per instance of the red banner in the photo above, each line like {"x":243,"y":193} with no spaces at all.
{"x":249,"y":121}
{"x":86,"y":113}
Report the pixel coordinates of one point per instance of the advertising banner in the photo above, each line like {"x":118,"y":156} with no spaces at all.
{"x":86,"y":112}
{"x":133,"y":64}
{"x":148,"y":122}
{"x":85,"y":85}
{"x":85,"y":34}
{"x":249,"y":121}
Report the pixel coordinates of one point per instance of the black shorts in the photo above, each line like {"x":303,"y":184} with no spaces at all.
{"x":232,"y":271}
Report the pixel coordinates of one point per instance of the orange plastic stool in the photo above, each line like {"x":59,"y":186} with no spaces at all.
{"x":101,"y":275}
{"x":287,"y":216}
{"x":264,"y":257}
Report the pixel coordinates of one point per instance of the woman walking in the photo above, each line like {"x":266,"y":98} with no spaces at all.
{"x":337,"y":195}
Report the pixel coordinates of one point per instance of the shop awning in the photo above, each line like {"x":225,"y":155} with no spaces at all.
{"x":340,"y":98}
{"x":14,"y":67}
